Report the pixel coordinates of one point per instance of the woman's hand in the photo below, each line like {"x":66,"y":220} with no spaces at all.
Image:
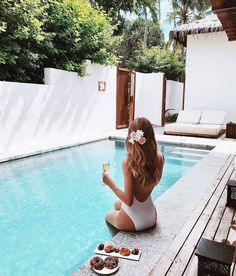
{"x":107,"y":180}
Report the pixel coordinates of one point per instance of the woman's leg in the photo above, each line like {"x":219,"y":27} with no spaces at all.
{"x":117,"y":204}
{"x":120,"y":220}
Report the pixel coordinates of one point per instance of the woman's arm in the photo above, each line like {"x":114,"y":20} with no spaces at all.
{"x":128,"y":195}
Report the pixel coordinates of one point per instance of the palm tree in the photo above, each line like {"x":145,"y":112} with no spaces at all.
{"x":185,"y":11}
{"x":142,"y":7}
{"x":203,"y":8}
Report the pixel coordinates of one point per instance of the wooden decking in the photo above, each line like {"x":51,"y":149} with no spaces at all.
{"x":211,"y":220}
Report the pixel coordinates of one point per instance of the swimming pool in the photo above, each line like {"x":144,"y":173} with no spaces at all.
{"x":52,"y":206}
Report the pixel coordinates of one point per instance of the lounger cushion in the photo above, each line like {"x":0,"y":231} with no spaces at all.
{"x":195,"y":129}
{"x":189,"y":116}
{"x":212,"y":117}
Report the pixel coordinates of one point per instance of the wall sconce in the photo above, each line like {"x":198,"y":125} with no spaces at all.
{"x":102,"y":86}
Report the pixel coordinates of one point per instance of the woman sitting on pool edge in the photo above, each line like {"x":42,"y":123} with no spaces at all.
{"x":142,"y":170}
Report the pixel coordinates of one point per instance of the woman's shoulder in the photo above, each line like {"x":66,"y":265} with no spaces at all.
{"x":126,"y":168}
{"x":161,"y":160}
{"x":160,"y":156}
{"x":125,"y":164}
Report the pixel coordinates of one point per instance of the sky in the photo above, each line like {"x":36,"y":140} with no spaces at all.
{"x":165,"y":25}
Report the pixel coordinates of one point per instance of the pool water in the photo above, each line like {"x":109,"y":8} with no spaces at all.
{"x":52,"y":206}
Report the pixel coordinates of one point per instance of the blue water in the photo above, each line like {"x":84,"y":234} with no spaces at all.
{"x":52,"y":206}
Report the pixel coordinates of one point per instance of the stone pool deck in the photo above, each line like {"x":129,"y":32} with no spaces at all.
{"x":175,"y":207}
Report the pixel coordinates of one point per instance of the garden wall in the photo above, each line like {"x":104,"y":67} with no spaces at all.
{"x":65,"y":110}
{"x":210,"y":74}
{"x":148,"y":97}
{"x":174,"y":95}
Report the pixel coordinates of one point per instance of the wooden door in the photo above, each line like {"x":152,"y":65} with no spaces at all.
{"x":131,"y":96}
{"x":122,"y":99}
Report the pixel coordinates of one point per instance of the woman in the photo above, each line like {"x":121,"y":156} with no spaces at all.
{"x":142,"y":170}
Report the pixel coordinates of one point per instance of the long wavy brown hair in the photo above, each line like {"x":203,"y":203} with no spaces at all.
{"x":142,"y":159}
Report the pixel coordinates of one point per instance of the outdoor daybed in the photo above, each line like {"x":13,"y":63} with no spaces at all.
{"x":208,"y":123}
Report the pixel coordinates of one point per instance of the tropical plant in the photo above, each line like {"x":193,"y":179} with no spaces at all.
{"x":155,"y":59}
{"x":142,"y":7}
{"x":21,"y":39}
{"x":78,"y":32}
{"x":171,"y":115}
{"x":52,"y":33}
{"x":185,"y":11}
{"x":133,"y":37}
{"x":115,"y":9}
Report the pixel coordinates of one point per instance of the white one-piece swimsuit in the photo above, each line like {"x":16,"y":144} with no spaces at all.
{"x":143,"y":214}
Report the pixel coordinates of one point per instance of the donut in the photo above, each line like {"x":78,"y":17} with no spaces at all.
{"x":97,"y":263}
{"x":109,"y":248}
{"x":124,"y":251}
{"x":135,"y":251}
{"x":101,"y":246}
{"x":116,"y":249}
{"x":111,"y":262}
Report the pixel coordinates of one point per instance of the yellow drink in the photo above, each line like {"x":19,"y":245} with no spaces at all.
{"x":106,"y":168}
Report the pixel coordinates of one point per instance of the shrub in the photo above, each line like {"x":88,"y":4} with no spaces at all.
{"x":155,"y":59}
{"x":52,"y":33}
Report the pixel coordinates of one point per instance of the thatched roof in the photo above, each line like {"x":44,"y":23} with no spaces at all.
{"x":208,"y":24}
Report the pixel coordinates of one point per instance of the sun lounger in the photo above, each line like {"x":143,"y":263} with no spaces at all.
{"x":194,"y":123}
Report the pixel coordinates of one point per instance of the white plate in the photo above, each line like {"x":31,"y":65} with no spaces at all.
{"x":130,"y":257}
{"x":106,"y":271}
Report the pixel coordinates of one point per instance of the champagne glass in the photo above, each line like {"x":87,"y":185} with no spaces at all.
{"x":106,"y":167}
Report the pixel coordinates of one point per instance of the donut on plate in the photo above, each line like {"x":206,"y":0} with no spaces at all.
{"x":111,"y":262}
{"x":135,"y":251}
{"x":109,"y":248}
{"x":101,"y":246}
{"x":97,"y":263}
{"x":124,"y":251}
{"x":116,"y":250}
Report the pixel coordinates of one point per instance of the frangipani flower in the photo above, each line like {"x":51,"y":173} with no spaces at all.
{"x":137,"y":137}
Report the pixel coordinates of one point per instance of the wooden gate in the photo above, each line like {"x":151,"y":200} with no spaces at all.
{"x":125,"y":97}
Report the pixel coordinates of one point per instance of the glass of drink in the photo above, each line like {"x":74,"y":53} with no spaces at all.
{"x":106,"y":167}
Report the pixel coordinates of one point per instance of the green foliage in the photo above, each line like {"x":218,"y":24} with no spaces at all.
{"x":185,"y":11}
{"x":78,"y":32}
{"x":171,"y":116}
{"x":52,"y":33}
{"x":133,"y":37}
{"x":114,"y":9}
{"x":150,"y":4}
{"x":21,"y":39}
{"x":155,"y":59}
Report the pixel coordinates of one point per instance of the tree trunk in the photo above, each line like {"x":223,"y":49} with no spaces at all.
{"x":146,"y":25}
{"x":159,"y":10}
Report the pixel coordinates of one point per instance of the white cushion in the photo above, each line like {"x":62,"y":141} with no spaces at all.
{"x":212,"y":117}
{"x":179,"y":127}
{"x":189,"y":116}
{"x":207,"y":129}
{"x":199,"y":129}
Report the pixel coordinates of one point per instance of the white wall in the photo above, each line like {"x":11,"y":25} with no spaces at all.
{"x":174,"y":95}
{"x":211,"y":74}
{"x":148,"y":97}
{"x":64,"y":110}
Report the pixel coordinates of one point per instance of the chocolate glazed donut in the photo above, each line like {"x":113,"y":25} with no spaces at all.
{"x":111,"y":262}
{"x":97,"y":263}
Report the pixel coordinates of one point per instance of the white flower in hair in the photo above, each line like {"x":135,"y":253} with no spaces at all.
{"x":132,"y":137}
{"x":139,"y":134}
{"x":137,"y":137}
